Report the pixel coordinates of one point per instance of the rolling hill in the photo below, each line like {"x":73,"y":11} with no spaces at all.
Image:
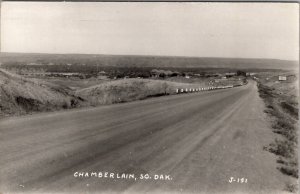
{"x":148,"y":61}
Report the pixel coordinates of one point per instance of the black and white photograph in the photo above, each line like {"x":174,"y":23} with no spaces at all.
{"x":149,"y":97}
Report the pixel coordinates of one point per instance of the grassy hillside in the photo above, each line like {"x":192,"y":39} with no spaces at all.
{"x":281,"y":99}
{"x":20,"y":95}
{"x":126,"y":90}
{"x":148,"y":61}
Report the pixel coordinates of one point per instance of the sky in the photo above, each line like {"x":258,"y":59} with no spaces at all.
{"x":237,"y":30}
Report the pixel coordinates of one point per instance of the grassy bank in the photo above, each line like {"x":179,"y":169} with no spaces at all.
{"x":19,"y":95}
{"x":126,"y":90}
{"x":281,"y":100}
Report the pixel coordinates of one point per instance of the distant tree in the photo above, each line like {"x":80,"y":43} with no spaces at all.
{"x":144,"y":74}
{"x":174,"y":74}
{"x":202,"y":74}
{"x":241,"y":73}
{"x":119,"y":76}
{"x":162,"y":75}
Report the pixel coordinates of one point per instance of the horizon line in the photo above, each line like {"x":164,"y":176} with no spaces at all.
{"x":141,"y":55}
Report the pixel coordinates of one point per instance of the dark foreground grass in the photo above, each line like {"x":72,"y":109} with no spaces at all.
{"x":285,"y":120}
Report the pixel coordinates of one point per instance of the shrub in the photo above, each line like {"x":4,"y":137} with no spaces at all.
{"x":28,"y":104}
{"x":291,"y":188}
{"x":291,"y":171}
{"x":290,"y":108}
{"x":65,"y":105}
{"x":283,"y":148}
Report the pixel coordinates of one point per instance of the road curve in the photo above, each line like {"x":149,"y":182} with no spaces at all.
{"x":200,"y":140}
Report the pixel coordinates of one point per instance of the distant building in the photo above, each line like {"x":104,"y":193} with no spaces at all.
{"x":103,"y":77}
{"x":230,"y":74}
{"x":102,"y":73}
{"x":282,"y":78}
{"x":187,"y":77}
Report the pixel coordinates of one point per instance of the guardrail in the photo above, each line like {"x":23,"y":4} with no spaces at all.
{"x":192,"y":90}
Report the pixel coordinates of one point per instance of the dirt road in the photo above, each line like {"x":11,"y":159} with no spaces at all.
{"x":198,"y":140}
